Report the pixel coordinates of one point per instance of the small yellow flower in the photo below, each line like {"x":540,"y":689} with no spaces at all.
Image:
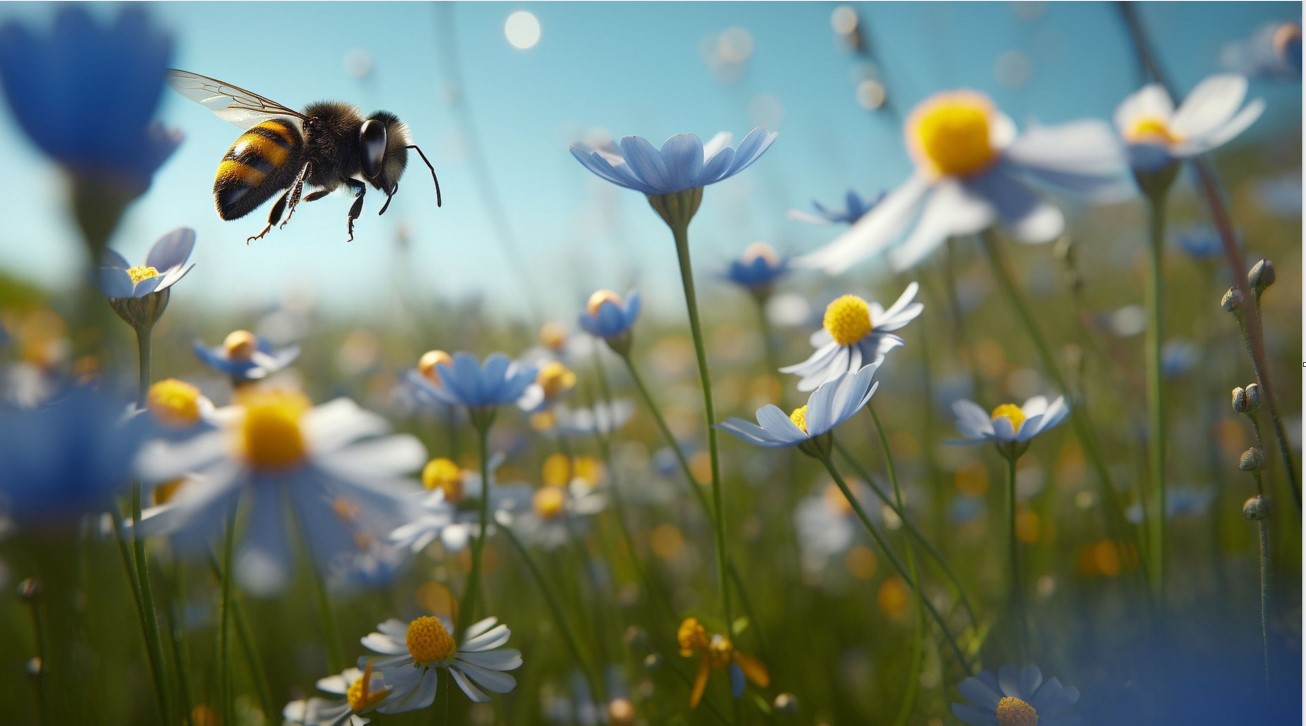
{"x":715,"y":652}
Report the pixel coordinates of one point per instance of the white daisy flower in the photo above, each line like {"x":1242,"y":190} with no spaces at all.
{"x":362,"y":691}
{"x":854,"y":333}
{"x":1211,"y":116}
{"x":972,"y":172}
{"x":1008,"y":424}
{"x":557,"y":513}
{"x":418,"y":650}
{"x":450,"y":511}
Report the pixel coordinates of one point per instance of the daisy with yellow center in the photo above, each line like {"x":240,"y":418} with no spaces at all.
{"x":1212,"y":115}
{"x":973,"y":171}
{"x":450,"y":513}
{"x":246,"y":357}
{"x":1016,"y":697}
{"x":176,"y":404}
{"x":357,"y":692}
{"x":552,"y":382}
{"x":1009,"y":424}
{"x":611,"y":318}
{"x":854,"y":333}
{"x":716,"y":652}
{"x":444,"y":475}
{"x":415,"y":652}
{"x":164,"y":266}
{"x":832,"y":403}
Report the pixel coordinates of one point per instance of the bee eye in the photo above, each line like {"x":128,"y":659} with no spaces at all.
{"x":372,"y":140}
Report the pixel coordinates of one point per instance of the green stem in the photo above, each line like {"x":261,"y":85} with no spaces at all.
{"x":176,"y":634}
{"x":150,"y":621}
{"x":1289,"y":469}
{"x":143,"y":338}
{"x":897,"y":563}
{"x":681,"y":234}
{"x":42,"y":657}
{"x":224,"y":618}
{"x":555,"y":609}
{"x":1013,"y":545}
{"x":330,"y":633}
{"x":1155,"y":299}
{"x":468,"y":605}
{"x":246,"y":636}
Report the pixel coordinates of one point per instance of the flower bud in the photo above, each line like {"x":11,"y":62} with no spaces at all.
{"x":1232,"y":300}
{"x":1251,"y":460}
{"x":1261,"y":276}
{"x":1239,"y":399}
{"x":1256,"y":508}
{"x":1253,"y":397}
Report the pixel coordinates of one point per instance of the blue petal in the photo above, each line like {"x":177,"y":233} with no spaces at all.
{"x":736,"y":680}
{"x":113,"y":259}
{"x":646,"y":163}
{"x":492,"y":378}
{"x":146,"y":286}
{"x":751,"y":149}
{"x":632,"y":307}
{"x":683,"y":156}
{"x":172,"y":249}
{"x":617,"y":174}
{"x":718,"y":167}
{"x":115,"y":282}
{"x":752,"y":433}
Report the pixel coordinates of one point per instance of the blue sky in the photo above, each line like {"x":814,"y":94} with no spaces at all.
{"x":598,"y":68}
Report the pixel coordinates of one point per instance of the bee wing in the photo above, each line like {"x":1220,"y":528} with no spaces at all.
{"x":229,"y":103}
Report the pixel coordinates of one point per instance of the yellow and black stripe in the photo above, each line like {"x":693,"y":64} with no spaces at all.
{"x":264,"y":160}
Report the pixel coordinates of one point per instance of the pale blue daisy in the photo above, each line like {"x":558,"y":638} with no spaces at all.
{"x":832,"y":403}
{"x":1016,"y":696}
{"x":682,"y":163}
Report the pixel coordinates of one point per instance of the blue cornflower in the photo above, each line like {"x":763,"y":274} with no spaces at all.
{"x":85,"y":94}
{"x":1009,"y":425}
{"x":832,"y":403}
{"x":1182,"y":501}
{"x":1015,"y":696}
{"x":245,"y":356}
{"x":480,"y":388}
{"x":164,"y":266}
{"x":683,"y":163}
{"x":608,"y":317}
{"x":855,"y":207}
{"x":1200,"y":242}
{"x":66,"y":458}
{"x":758,"y":269}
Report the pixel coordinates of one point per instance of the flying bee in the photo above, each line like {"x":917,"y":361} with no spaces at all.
{"x":327,"y":145}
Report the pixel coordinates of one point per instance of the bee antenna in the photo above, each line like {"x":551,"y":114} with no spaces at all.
{"x":434,"y":178}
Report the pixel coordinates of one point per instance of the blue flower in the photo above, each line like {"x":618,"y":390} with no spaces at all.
{"x":85,"y":95}
{"x":1182,"y":501}
{"x":607,"y":316}
{"x":465,"y":382}
{"x":683,"y":162}
{"x":1015,"y":696}
{"x":758,"y":268}
{"x":1008,"y":424}
{"x":832,"y":403}
{"x":855,"y":207}
{"x":67,"y":458}
{"x":164,"y":266}
{"x":1200,"y":242}
{"x":245,"y":356}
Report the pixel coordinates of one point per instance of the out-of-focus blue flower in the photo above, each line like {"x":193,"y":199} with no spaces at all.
{"x":164,"y":266}
{"x":1009,"y":424}
{"x":683,"y":162}
{"x":973,"y":172}
{"x":855,"y":207}
{"x":1016,"y":696}
{"x":832,"y":403}
{"x":854,"y":333}
{"x":66,"y":458}
{"x":553,"y":381}
{"x":465,"y":382}
{"x":1210,"y":117}
{"x":608,"y":317}
{"x":1178,"y":357}
{"x":1184,"y":501}
{"x":758,"y":268}
{"x":85,"y":94}
{"x":1272,"y":53}
{"x":1280,"y":195}
{"x":1200,"y":242}
{"x":245,"y":356}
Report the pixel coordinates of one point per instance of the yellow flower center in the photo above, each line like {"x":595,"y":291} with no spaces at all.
{"x":1151,"y":130}
{"x":1014,"y":712}
{"x":719,"y":651}
{"x":556,"y":379}
{"x":426,"y":365}
{"x":164,"y":492}
{"x":141,"y":272}
{"x":428,"y":641}
{"x":1010,"y":412}
{"x":444,"y":475}
{"x":549,"y":501}
{"x":692,"y":637}
{"x":600,"y":297}
{"x":553,"y":336}
{"x":799,"y":417}
{"x":848,"y":319}
{"x":556,"y":471}
{"x":240,"y":345}
{"x":588,"y":469}
{"x":270,"y":435}
{"x":174,"y":403}
{"x":950,"y":134}
{"x":359,"y":696}
{"x":760,"y":251}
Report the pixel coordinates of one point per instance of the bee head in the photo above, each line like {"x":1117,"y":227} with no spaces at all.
{"x":383,"y":146}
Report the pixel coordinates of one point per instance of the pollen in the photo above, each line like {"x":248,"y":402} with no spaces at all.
{"x":719,"y":651}
{"x":950,"y":133}
{"x":847,"y":319}
{"x":556,"y":379}
{"x":1010,"y":412}
{"x":692,"y":637}
{"x":428,"y":641}
{"x":549,"y":502}
{"x":553,"y":336}
{"x":426,"y":365}
{"x":360,"y":696}
{"x":240,"y":345}
{"x":141,"y":272}
{"x":1151,"y":130}
{"x":799,"y":417}
{"x":174,"y":403}
{"x":271,"y":437}
{"x":761,"y":251}
{"x":597,"y":299}
{"x":1014,"y":712}
{"x":444,"y":474}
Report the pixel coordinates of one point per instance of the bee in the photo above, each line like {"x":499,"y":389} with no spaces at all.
{"x":327,"y":145}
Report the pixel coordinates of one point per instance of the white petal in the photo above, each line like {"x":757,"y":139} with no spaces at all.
{"x":1150,"y":101}
{"x":874,"y":232}
{"x":1225,"y":133}
{"x":951,"y":210}
{"x":1212,"y":103}
{"x":337,"y":423}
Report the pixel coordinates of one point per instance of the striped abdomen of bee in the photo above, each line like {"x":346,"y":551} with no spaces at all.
{"x":264,"y":160}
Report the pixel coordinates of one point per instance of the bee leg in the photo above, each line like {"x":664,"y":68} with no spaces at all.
{"x":357,"y":208}
{"x":295,"y":190}
{"x":274,"y":216}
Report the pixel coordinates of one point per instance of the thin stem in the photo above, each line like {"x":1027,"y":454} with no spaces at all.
{"x":224,"y":618}
{"x":1290,"y":470}
{"x":893,"y":559}
{"x":551,"y":600}
{"x":256,"y":673}
{"x":143,"y":336}
{"x":330,"y":633}
{"x":1013,"y":544}
{"x":468,"y":605}
{"x":42,"y":656}
{"x":1155,"y":389}
{"x":681,"y":234}
{"x":150,"y":621}
{"x":176,"y":635}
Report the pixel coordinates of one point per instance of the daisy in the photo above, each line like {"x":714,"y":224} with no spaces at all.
{"x":164,"y":267}
{"x":1211,"y":116}
{"x":362,"y":690}
{"x":1008,"y":425}
{"x":416,"y":651}
{"x":459,"y":380}
{"x":854,"y":333}
{"x":556,"y":511}
{"x":758,"y":269}
{"x":832,"y":403}
{"x":246,"y":357}
{"x":177,"y":410}
{"x":855,"y":207}
{"x":609,"y":317}
{"x":1016,"y":697}
{"x":449,"y":512}
{"x":553,"y":381}
{"x":683,"y":162}
{"x":715,"y":652}
{"x":972,"y":172}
